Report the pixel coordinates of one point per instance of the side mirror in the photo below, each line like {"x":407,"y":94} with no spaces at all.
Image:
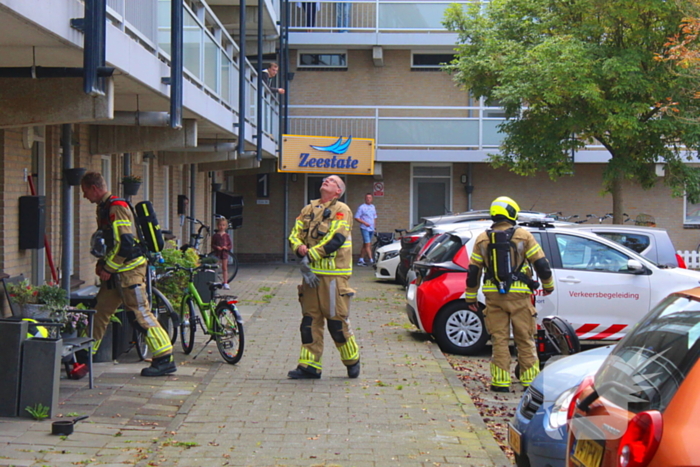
{"x":635,"y":267}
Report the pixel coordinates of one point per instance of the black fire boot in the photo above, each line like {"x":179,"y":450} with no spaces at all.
{"x":304,"y":373}
{"x":160,"y":366}
{"x":354,"y":370}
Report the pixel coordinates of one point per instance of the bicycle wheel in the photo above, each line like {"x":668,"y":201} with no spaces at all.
{"x":164,"y":313}
{"x":229,"y":332}
{"x":140,"y":342}
{"x":187,"y":324}
{"x":232,"y":266}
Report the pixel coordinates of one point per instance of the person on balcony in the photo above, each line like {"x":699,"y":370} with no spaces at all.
{"x":269,"y":73}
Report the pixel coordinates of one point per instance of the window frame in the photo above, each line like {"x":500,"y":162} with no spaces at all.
{"x":438,"y":67}
{"x":303,"y":67}
{"x":686,"y":221}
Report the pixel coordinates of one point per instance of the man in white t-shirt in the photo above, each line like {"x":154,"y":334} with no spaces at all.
{"x":365,"y":216}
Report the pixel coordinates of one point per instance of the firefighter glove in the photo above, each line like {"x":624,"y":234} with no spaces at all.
{"x":309,"y":277}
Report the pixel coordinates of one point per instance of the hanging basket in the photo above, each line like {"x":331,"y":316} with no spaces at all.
{"x":74,"y":175}
{"x":131,"y":188}
{"x":216,"y":187}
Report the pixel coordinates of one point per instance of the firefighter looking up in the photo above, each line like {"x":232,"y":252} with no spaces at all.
{"x":505,"y":254}
{"x":321,"y":237}
{"x":122,"y":270}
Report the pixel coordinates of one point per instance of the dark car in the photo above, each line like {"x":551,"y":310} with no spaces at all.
{"x":412,"y":241}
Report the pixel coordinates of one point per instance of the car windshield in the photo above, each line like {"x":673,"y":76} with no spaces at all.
{"x":648,"y":366}
{"x":445,"y":249}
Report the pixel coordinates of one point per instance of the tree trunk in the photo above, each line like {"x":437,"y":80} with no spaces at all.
{"x":616,"y":191}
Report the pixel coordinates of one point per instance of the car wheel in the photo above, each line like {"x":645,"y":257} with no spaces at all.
{"x":459,"y":330}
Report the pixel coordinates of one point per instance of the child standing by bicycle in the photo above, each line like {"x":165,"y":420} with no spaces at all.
{"x":221,"y":244}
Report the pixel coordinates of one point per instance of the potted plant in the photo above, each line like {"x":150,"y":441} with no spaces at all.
{"x":44,"y":301}
{"x":131,"y":183}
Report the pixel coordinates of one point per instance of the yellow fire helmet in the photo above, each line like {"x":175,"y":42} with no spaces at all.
{"x":35,"y":330}
{"x":504,"y":206}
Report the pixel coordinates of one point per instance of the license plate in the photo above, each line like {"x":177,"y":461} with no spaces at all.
{"x":513,"y":439}
{"x":588,"y":453}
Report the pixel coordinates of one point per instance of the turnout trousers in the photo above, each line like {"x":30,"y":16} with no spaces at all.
{"x":328,"y":302}
{"x":129,"y":288}
{"x":500,"y":314}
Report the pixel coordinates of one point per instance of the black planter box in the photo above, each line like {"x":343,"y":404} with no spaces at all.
{"x":41,"y":368}
{"x":12,"y":334}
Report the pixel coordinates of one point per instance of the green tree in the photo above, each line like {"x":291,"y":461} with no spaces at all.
{"x":589,"y":68}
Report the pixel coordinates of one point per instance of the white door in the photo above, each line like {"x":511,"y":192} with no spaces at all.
{"x":595,"y":291}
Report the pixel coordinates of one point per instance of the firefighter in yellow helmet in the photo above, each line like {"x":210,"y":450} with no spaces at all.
{"x":506,"y":255}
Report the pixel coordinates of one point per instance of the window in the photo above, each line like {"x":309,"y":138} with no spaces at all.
{"x":430,"y":61}
{"x":106,"y":168}
{"x":692,"y":213}
{"x":588,"y":255}
{"x":326,"y":60}
{"x":646,"y":371}
{"x":635,"y":242}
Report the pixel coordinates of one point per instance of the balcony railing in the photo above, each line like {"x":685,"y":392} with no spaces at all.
{"x":402,"y":126}
{"x":210,"y":54}
{"x":368,"y":16}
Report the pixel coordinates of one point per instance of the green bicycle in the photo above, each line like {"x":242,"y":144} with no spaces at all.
{"x":221,"y":321}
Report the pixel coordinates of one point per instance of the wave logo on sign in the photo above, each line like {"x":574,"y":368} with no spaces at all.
{"x":336,"y":148}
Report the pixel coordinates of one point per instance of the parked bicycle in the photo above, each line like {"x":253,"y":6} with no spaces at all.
{"x":199,"y":243}
{"x":200,"y":238}
{"x":219,"y":320}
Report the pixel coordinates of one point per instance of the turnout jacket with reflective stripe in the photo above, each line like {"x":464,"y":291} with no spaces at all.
{"x":116,"y":220}
{"x":525,"y":247}
{"x":327,"y":237}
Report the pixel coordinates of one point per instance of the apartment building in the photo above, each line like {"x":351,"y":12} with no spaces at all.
{"x":158,"y":89}
{"x":372,"y":69}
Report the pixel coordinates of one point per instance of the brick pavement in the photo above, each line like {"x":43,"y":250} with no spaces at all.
{"x":407,"y":408}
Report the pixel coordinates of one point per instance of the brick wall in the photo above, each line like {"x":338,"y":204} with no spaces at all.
{"x":365,"y":84}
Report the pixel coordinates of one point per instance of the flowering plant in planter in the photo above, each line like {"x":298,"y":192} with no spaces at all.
{"x":74,"y":321}
{"x":51,"y":299}
{"x":131,"y":179}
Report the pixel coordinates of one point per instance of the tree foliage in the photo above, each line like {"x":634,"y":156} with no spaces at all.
{"x":589,"y":68}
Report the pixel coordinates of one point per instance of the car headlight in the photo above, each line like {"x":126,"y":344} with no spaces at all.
{"x":557,"y":416}
{"x":391,"y":254}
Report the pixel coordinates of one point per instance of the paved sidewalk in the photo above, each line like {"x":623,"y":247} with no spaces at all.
{"x":407,"y":408}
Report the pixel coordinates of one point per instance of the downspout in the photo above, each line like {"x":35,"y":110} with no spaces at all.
{"x":284,"y":45}
{"x":241,"y":81}
{"x":193,"y":201}
{"x":126,"y":165}
{"x":176,"y":63}
{"x":95,"y":37}
{"x":258,"y":142}
{"x":66,"y":210}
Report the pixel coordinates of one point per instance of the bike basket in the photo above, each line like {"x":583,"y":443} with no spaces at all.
{"x":201,"y":281}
